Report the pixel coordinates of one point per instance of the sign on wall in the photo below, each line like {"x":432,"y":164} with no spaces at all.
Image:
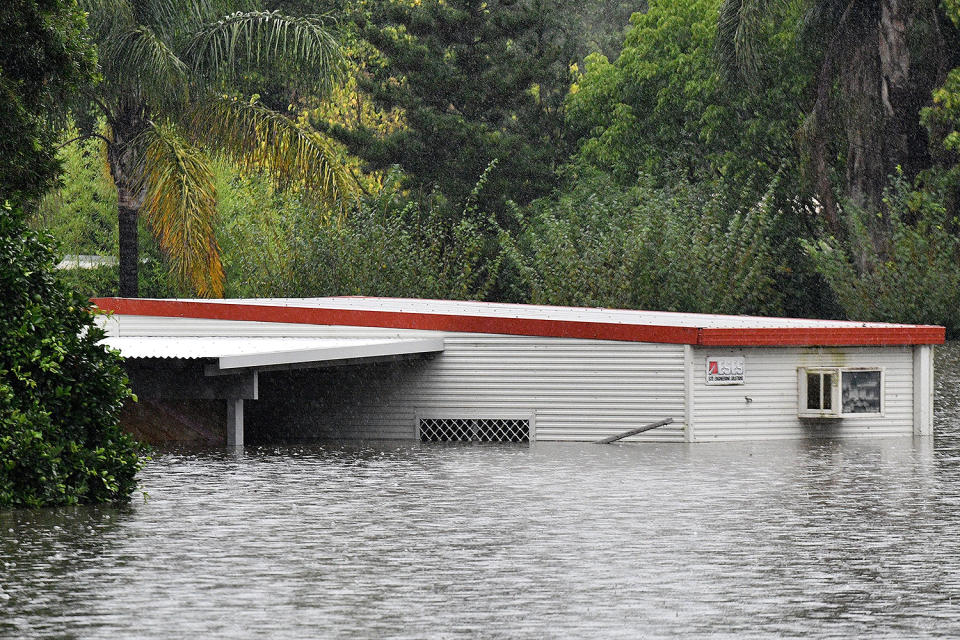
{"x":726,"y":370}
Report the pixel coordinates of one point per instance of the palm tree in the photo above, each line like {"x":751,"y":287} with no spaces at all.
{"x":877,"y":62}
{"x":174,"y":89}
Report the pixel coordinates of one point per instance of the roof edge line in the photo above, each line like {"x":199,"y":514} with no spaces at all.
{"x":895,"y":335}
{"x":539,"y":327}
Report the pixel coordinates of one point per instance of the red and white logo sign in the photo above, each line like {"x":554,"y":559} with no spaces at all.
{"x":726,"y":370}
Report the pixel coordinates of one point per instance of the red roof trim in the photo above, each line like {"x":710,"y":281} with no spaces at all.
{"x":833,"y":336}
{"x":824,"y":336}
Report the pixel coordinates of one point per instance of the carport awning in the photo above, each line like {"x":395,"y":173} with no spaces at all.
{"x":251,"y":352}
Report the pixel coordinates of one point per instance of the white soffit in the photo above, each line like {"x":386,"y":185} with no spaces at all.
{"x":238,"y":353}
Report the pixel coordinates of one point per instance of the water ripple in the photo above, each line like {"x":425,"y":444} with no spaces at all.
{"x":785,"y":539}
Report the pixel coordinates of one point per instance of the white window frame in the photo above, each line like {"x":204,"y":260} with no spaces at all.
{"x":836,"y":392}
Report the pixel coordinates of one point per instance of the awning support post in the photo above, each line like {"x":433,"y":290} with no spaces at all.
{"x":234,"y":422}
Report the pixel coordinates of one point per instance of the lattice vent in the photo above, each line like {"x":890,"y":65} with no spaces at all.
{"x":474,"y":430}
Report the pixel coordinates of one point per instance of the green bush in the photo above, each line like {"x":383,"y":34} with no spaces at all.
{"x":917,"y":277}
{"x":386,"y":246}
{"x":81,"y":211}
{"x":676,"y":249}
{"x":60,"y":393}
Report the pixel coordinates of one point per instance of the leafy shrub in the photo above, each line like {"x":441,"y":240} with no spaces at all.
{"x":81,"y":212}
{"x":672,"y":249}
{"x":917,"y":280}
{"x":60,"y":393}
{"x":384,"y":247}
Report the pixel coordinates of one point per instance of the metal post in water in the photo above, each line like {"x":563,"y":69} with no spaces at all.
{"x":234,"y":422}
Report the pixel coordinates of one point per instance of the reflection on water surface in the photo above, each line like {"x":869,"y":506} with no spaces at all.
{"x":786,"y":539}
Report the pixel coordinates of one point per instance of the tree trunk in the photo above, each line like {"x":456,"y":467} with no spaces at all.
{"x":883,"y":86}
{"x":129,"y":244}
{"x":126,"y":159}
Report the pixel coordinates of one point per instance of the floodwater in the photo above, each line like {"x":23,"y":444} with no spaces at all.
{"x":783,"y":539}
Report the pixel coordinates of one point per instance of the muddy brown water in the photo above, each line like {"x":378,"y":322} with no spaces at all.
{"x":781,"y":539}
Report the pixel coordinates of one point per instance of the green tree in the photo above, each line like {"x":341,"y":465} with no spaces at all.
{"x":663,"y":109}
{"x":386,"y":246}
{"x":60,"y":392}
{"x":476,"y":81}
{"x":876,"y":65}
{"x":942,"y":120}
{"x":918,"y":277}
{"x":175,"y":84}
{"x":80,"y":212}
{"x":675,"y":249}
{"x":44,"y":56}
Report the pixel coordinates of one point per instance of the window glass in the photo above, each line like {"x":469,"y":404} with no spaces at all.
{"x":860,"y":391}
{"x":827,"y":384}
{"x":813,"y":390}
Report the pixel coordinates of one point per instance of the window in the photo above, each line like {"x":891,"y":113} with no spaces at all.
{"x":820,"y":390}
{"x":837,"y":392}
{"x":861,"y":391}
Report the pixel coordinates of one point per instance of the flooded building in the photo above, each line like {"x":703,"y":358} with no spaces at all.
{"x":433,"y":370}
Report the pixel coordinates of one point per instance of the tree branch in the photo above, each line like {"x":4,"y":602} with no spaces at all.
{"x":83,"y":137}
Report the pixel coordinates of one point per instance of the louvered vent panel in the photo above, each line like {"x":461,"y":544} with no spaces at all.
{"x":474,"y":430}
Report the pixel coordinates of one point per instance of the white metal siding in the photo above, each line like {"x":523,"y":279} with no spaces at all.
{"x":574,"y":389}
{"x":577,"y":390}
{"x":723,"y":412}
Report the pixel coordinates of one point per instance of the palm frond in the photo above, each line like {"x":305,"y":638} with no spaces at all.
{"x":725,"y":48}
{"x":106,"y":19}
{"x":259,"y":138}
{"x":180,"y":206}
{"x":740,"y":24}
{"x":243,"y":41}
{"x":137,"y":57}
{"x":185,"y":16}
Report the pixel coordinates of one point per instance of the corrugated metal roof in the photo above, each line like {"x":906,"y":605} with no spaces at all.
{"x":236,"y":352}
{"x":517,"y":319}
{"x":543,"y":312}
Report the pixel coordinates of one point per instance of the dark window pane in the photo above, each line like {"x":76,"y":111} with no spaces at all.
{"x":827,"y":391}
{"x":813,"y":391}
{"x":861,"y":391}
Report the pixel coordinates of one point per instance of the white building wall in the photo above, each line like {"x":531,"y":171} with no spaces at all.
{"x":572,"y":389}
{"x":765,"y":407}
{"x":576,"y":390}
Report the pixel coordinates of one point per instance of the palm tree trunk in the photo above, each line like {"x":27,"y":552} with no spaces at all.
{"x":129,"y":245}
{"x":125,"y":155}
{"x":884,"y":89}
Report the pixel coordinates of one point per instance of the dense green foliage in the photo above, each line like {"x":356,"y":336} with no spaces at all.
{"x":477,"y":81}
{"x":60,"y":392}
{"x":665,"y":110}
{"x":740,"y":156}
{"x":918,"y":278}
{"x":44,"y":56}
{"x":673,"y":249}
{"x":385,"y":247}
{"x":597,"y":246}
{"x":83,"y":209}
